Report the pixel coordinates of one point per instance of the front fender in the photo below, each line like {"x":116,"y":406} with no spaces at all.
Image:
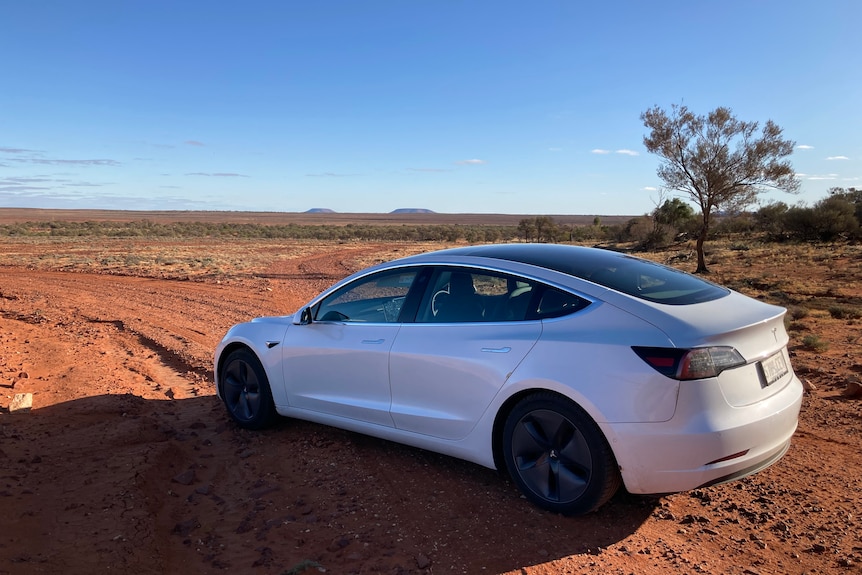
{"x":264,"y":337}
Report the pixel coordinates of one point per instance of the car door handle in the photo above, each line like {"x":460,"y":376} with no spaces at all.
{"x":496,"y":349}
{"x":373,"y":341}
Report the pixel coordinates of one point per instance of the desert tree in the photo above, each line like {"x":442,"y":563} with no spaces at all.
{"x":669,"y":218}
{"x":772,"y":219}
{"x":542,"y":228}
{"x":527,"y":227}
{"x":546,"y":229}
{"x":832,"y":218}
{"x":673,"y":212}
{"x":717,"y":160}
{"x":852,"y":196}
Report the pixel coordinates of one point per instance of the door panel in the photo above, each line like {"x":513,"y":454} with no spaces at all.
{"x":340,"y":369}
{"x":339,"y":363}
{"x":444,"y":376}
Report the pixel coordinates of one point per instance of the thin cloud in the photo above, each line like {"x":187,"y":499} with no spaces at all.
{"x":819,"y":177}
{"x":804,"y":147}
{"x":20,"y":180}
{"x":623,"y":151}
{"x":555,"y":149}
{"x":650,"y":189}
{"x":37,"y":157}
{"x":837,"y":158}
{"x":474,"y":162}
{"x":38,"y":198}
{"x":48,"y":162}
{"x":86,"y":185}
{"x":193,"y":143}
{"x":217,"y":174}
{"x":19,"y":184}
{"x":17,"y":151}
{"x":22,"y":188}
{"x":328,"y":175}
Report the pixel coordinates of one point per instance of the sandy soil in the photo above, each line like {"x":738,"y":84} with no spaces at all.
{"x":128,"y":463}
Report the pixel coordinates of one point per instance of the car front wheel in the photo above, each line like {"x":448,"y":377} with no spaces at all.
{"x":245,"y":390}
{"x":557,"y":455}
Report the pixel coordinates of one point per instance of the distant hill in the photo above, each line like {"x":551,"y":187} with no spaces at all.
{"x":320,"y":211}
{"x":411,"y":211}
{"x":332,"y":218}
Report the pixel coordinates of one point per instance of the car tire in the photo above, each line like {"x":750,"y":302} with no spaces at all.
{"x":245,"y":390}
{"x":558,"y":456}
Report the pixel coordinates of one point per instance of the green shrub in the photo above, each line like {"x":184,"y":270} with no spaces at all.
{"x":844,"y":312}
{"x":814,"y":343}
{"x":798,"y":312}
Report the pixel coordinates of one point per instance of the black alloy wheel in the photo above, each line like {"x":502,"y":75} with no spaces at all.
{"x":558,"y":456}
{"x":245,"y":390}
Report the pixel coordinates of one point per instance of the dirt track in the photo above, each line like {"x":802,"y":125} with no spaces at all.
{"x":128,"y":463}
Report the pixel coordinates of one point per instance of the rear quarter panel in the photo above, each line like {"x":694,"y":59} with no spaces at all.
{"x":588,"y":357}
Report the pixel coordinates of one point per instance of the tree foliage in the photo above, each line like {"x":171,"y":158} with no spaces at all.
{"x":720,"y":162}
{"x":835,"y":217}
{"x":674,"y":212}
{"x":544,"y":229}
{"x":539,"y":229}
{"x":668,"y":220}
{"x":851,"y":196}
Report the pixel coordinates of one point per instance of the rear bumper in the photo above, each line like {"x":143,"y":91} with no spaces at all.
{"x":707,"y":441}
{"x":761,"y":465}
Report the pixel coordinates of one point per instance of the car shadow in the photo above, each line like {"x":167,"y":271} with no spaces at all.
{"x":160,"y":485}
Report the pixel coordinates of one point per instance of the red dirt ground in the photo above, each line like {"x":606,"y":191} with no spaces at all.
{"x":128,"y":463}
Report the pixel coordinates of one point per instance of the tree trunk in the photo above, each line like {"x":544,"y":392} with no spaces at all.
{"x":701,"y":261}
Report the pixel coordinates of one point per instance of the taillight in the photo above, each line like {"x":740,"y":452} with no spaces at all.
{"x":696,"y":363}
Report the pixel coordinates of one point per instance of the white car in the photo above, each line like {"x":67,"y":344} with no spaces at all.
{"x":572,"y":368}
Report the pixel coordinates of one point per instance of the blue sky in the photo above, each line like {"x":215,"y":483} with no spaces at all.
{"x":369,"y":106}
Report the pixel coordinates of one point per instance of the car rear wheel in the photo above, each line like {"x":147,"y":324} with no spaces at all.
{"x":557,"y":455}
{"x":245,"y":390}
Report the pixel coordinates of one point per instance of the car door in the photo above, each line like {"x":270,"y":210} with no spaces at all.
{"x":338,"y":364}
{"x":445,"y":370}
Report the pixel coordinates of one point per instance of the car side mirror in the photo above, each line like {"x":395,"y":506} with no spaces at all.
{"x":305,"y":318}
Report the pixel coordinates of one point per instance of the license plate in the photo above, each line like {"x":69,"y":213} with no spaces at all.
{"x":774,"y":368}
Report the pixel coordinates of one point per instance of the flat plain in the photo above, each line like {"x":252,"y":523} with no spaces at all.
{"x":128,"y":463}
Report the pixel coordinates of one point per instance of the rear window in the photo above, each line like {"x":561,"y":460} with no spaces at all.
{"x":654,"y":282}
{"x":633,"y":276}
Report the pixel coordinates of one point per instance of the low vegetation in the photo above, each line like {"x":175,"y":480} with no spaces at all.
{"x":814,"y":343}
{"x":835,"y":218}
{"x":228,"y":230}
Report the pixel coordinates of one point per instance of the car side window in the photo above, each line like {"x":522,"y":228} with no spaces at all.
{"x":556,"y":303}
{"x":459,"y":295}
{"x":377,"y":298}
